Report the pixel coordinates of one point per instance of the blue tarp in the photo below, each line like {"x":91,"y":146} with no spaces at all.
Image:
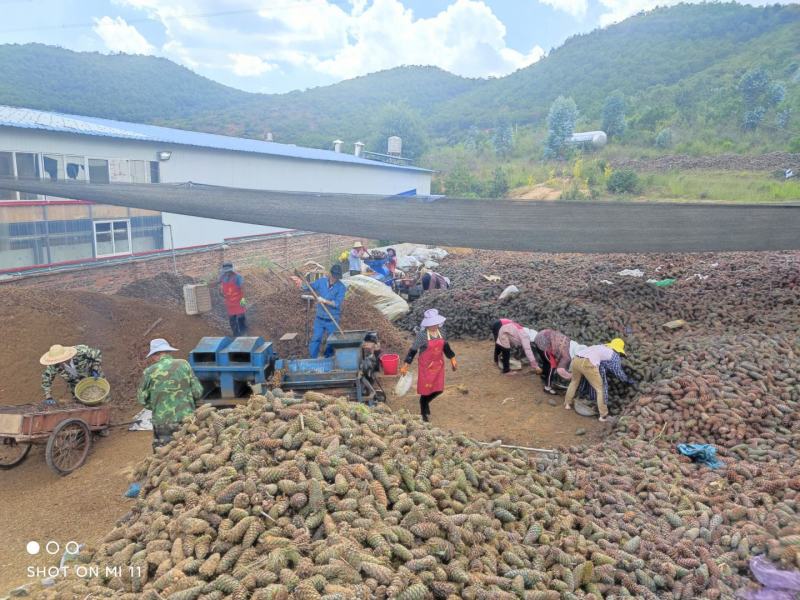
{"x":702,"y":453}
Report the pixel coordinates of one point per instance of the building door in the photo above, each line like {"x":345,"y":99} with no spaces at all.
{"x":112,"y":238}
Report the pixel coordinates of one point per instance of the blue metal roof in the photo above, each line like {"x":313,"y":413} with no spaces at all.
{"x":27,"y":118}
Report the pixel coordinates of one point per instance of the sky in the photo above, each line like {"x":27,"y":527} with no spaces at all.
{"x":275,"y":46}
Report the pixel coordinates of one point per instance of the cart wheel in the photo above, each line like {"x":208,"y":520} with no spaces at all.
{"x":12,"y":453}
{"x":68,"y":446}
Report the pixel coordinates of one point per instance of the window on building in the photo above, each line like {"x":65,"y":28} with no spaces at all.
{"x":112,"y":238}
{"x":139,"y":172}
{"x":155,"y":172}
{"x":27,"y":168}
{"x":98,"y":171}
{"x":7,"y":170}
{"x":52,"y":166}
{"x":119,"y":170}
{"x":27,"y":165}
{"x":75,"y":168}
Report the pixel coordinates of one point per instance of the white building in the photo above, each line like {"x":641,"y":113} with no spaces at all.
{"x":41,"y":230}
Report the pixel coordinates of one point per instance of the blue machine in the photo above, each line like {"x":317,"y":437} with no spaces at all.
{"x":228,"y":366}
{"x":381,"y":270}
{"x":348,"y":369}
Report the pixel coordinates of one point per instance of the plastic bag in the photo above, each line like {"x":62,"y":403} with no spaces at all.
{"x":383,"y":298}
{"x":662,"y":282}
{"x":403,"y":385}
{"x":770,"y":576}
{"x":631,"y":272}
{"x":512,"y":289}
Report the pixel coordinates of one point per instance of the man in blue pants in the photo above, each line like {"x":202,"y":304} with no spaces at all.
{"x":331,"y":293}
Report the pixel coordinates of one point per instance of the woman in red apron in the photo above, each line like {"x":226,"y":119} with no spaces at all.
{"x":433,"y":348}
{"x":231,"y":285}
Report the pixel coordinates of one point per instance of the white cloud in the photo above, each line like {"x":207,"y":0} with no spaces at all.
{"x":248,"y":65}
{"x":576,"y":8}
{"x":618,"y":10}
{"x":118,"y":36}
{"x":335,"y":40}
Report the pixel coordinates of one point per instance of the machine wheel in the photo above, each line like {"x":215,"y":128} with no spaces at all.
{"x":12,"y":453}
{"x":68,"y":446}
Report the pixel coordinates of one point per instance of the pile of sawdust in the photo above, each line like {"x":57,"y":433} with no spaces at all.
{"x":33,"y":320}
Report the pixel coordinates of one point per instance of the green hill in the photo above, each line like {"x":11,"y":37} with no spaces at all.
{"x":677,"y":67}
{"x":639,"y":56}
{"x":318,"y":116}
{"x":117,"y":86}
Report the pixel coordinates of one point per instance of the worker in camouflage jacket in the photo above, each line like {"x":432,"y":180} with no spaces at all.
{"x":73,"y":363}
{"x":169,"y":388}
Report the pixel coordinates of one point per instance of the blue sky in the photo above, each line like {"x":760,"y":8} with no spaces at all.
{"x":282,"y":45}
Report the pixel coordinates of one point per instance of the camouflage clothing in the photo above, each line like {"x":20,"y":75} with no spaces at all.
{"x":79,"y":367}
{"x":169,"y":388}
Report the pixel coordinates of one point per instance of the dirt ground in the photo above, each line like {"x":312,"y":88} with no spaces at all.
{"x":536,"y":192}
{"x":514,"y":409}
{"x":40,"y":506}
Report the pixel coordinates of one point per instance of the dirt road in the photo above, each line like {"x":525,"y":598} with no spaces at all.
{"x":514,"y":409}
{"x":40,"y":506}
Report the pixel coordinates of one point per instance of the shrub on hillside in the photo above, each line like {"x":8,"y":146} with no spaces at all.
{"x":623,"y":181}
{"x":664,"y":138}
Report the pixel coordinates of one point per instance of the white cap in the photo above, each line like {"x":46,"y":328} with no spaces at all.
{"x":160,"y":345}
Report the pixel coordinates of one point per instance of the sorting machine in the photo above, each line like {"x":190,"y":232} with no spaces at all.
{"x":231,"y":369}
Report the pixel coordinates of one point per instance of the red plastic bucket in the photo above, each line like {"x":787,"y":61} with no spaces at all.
{"x":389,"y":363}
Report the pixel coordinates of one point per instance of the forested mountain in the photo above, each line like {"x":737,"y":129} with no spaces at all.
{"x":117,"y":86}
{"x":677,"y":67}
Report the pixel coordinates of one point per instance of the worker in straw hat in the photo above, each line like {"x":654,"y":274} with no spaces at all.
{"x":357,"y":252}
{"x":433,"y":348}
{"x":588,"y":363}
{"x":169,"y":388}
{"x":73,"y":363}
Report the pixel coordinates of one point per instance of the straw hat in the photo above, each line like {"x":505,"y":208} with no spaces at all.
{"x":432,"y":318}
{"x":58,"y":354}
{"x":358,"y":245}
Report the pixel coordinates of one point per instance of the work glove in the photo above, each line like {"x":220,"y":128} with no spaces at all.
{"x":404,"y":370}
{"x":453,"y":363}
{"x":95,"y":374}
{"x":243,"y":302}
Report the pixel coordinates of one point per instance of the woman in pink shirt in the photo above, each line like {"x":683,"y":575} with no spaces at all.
{"x":512,"y":335}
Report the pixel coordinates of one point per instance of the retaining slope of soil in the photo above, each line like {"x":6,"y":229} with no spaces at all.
{"x":34,"y":320}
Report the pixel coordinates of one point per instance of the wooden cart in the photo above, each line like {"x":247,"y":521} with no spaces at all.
{"x":67,"y":431}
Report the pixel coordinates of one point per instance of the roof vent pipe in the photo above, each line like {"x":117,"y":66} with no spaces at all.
{"x":359,"y":148}
{"x":337,"y":145}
